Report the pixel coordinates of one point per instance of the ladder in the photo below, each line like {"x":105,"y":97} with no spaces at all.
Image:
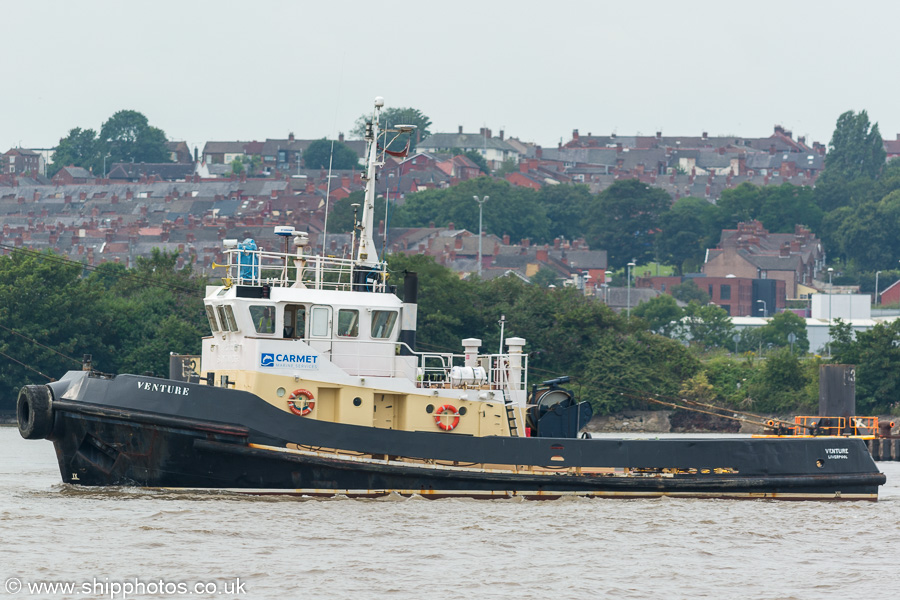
{"x":511,"y":418}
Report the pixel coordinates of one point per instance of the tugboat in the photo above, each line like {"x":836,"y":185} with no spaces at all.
{"x":310,"y":383}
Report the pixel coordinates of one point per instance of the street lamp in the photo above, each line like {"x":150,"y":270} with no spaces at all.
{"x":628,"y":275}
{"x":877,"y":273}
{"x":765,"y":309}
{"x":480,"y":213}
{"x":830,"y":293}
{"x":605,"y":284}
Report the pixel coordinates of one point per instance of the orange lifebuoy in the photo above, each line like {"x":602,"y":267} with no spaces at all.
{"x":309,"y":402}
{"x":449,"y":408}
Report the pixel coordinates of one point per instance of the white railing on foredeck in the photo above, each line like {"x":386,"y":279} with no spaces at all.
{"x":280,"y":269}
{"x":427,"y":369}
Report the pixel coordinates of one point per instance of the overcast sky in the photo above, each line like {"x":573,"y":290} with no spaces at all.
{"x":251,"y":70}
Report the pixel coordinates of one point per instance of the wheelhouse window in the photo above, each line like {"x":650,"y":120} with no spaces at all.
{"x":348,"y":323}
{"x":295,"y":321}
{"x":226,"y":317}
{"x":211,"y":316}
{"x":263,"y":317}
{"x":383,"y":323}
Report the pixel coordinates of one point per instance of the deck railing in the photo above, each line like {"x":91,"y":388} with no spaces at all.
{"x":806,"y":425}
{"x":431,"y":369}
{"x":282,"y":269}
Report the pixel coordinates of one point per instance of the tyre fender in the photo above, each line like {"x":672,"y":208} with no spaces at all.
{"x":34,"y":412}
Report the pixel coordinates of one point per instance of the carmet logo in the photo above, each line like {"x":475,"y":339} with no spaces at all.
{"x":291,"y":361}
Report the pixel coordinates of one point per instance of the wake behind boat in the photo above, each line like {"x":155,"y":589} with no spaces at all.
{"x":311,"y":384}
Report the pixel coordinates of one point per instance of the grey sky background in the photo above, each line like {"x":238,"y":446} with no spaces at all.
{"x":206,"y":71}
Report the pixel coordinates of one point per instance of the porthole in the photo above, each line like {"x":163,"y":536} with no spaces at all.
{"x":357,"y":401}
{"x":820,"y":463}
{"x":280,"y":392}
{"x":429,"y":409}
{"x":462,"y":410}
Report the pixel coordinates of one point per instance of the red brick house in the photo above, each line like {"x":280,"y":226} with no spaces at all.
{"x":751,"y":252}
{"x":460,"y":168}
{"x":72,"y":175}
{"x":734,"y":294}
{"x":528,"y":180}
{"x":179,"y":152}
{"x":891,"y":295}
{"x":18,"y":161}
{"x":892,"y":147}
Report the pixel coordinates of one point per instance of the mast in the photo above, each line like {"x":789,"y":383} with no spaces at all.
{"x":367,"y":255}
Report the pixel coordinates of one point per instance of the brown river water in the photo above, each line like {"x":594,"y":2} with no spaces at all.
{"x":130,"y":543}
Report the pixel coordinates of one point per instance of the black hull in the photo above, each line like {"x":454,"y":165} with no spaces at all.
{"x":107,"y":434}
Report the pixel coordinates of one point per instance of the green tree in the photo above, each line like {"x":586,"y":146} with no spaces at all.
{"x":623,"y":370}
{"x":781,"y":384}
{"x":154,"y":309}
{"x":476,"y":157}
{"x":742,"y":203}
{"x":78,"y":149}
{"x":506,"y":167}
{"x":624,"y":220}
{"x":854,"y":162}
{"x":689,"y":291}
{"x":511,"y":210}
{"x":779,"y":208}
{"x":446,"y":311}
{"x":318,"y":154}
{"x":124,"y":137}
{"x":545,"y":277}
{"x":340,"y":213}
{"x":707,"y":326}
{"x":865,"y":235}
{"x":876,"y":354}
{"x":662,"y":314}
{"x":391,"y":117}
{"x":779,"y":327}
{"x":253,"y":164}
{"x":45,"y":300}
{"x":856,"y":149}
{"x":127,"y":136}
{"x":685,"y":231}
{"x":785,"y":206}
{"x":566,"y":206}
{"x":561,"y":325}
{"x":729,"y":378}
{"x":237,"y":166}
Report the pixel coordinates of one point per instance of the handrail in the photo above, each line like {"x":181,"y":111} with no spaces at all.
{"x":431,"y":369}
{"x":839,"y":426}
{"x":261,"y":267}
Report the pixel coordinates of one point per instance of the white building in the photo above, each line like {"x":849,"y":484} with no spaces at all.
{"x":852,"y":309}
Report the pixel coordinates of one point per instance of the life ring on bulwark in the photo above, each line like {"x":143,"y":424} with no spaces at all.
{"x":448,"y":408}
{"x":309,"y":402}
